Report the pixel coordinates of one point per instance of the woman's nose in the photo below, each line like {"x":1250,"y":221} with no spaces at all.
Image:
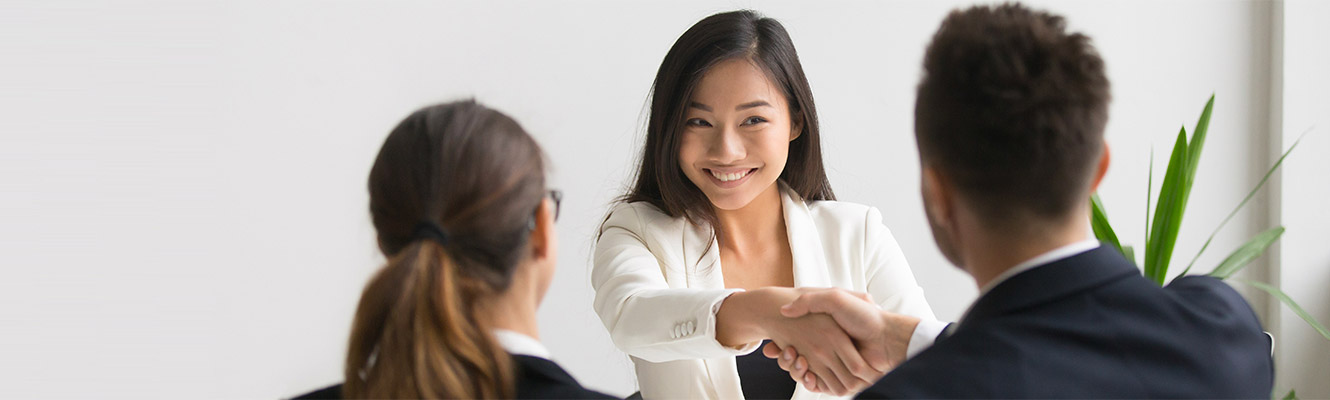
{"x":728,"y":147}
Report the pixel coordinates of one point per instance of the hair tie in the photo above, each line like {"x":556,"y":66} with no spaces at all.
{"x":428,"y":230}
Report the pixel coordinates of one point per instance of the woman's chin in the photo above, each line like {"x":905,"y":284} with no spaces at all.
{"x":731,"y":199}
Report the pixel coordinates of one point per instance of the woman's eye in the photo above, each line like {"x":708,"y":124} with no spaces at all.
{"x":697,"y":122}
{"x":754,"y":120}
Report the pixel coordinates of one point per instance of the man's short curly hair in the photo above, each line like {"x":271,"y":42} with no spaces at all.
{"x":1011,"y":109}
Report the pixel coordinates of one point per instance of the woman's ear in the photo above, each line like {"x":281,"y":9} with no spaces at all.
{"x":543,"y":241}
{"x":796,"y":124}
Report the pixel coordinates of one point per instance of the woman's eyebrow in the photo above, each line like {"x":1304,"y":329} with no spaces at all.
{"x":752,"y":104}
{"x":700,"y":106}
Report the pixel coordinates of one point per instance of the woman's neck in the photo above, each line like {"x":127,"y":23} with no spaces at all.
{"x":513,"y":310}
{"x":743,"y":231}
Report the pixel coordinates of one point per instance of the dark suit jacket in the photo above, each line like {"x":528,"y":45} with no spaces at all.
{"x":537,"y":378}
{"x":1090,"y":326}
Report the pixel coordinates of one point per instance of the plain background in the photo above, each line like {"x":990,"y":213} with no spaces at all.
{"x":182,"y":185}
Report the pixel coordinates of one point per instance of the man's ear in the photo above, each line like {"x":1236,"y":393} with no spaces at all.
{"x":542,"y":237}
{"x":1101,"y":170}
{"x":796,"y":125}
{"x":938,"y":195}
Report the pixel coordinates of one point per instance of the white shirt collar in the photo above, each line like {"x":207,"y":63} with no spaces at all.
{"x":519,"y":344}
{"x":1041,"y":260}
{"x":1038,"y":261}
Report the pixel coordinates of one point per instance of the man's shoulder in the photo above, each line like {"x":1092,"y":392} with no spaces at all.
{"x":1208,"y":292}
{"x":959,"y":366}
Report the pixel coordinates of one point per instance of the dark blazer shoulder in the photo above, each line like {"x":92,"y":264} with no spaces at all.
{"x":537,"y":378}
{"x":1092,"y":326}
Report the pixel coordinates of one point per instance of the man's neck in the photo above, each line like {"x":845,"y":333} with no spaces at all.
{"x":992,"y":252}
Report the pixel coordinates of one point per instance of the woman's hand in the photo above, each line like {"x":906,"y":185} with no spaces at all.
{"x":829,"y":352}
{"x":880,"y":337}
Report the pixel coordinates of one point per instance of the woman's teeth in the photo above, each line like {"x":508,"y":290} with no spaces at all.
{"x":734,"y":176}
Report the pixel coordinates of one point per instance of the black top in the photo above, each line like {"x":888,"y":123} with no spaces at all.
{"x":537,"y":378}
{"x":761,"y":377}
{"x":1090,"y":326}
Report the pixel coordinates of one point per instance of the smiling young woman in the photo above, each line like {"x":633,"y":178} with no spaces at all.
{"x":731,"y":175}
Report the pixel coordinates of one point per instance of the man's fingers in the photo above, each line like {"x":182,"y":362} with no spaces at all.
{"x":856,"y":364}
{"x":823,"y":301}
{"x":849,"y":368}
{"x":797,"y":308}
{"x":829,"y":381}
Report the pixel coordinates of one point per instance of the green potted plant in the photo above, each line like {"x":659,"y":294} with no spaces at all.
{"x":1161,"y":230}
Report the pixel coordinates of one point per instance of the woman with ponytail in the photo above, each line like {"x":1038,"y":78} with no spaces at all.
{"x":458,"y":197}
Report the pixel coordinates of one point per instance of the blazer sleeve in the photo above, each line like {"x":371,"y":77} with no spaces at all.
{"x":646,"y":318}
{"x":890,"y":281}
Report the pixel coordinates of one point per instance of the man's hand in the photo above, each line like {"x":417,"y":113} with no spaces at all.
{"x":830,"y":352}
{"x":881,"y":337}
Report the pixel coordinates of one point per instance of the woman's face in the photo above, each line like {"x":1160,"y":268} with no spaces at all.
{"x":736,"y":134}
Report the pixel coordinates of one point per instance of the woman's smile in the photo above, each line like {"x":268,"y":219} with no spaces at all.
{"x":726,"y":178}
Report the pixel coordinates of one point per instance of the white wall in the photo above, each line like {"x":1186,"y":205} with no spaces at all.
{"x":1303,"y":356}
{"x":183,"y":186}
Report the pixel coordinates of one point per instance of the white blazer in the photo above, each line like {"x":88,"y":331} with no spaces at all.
{"x":658,"y":286}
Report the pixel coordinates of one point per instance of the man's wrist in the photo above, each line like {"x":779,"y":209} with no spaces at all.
{"x":899,"y":328}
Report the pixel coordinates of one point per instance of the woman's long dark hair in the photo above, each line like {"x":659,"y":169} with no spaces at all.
{"x":452,"y":194}
{"x":720,"y":37}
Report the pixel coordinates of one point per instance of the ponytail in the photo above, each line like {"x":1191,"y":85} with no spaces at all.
{"x":415,"y":334}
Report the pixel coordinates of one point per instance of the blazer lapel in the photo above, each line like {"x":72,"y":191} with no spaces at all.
{"x":701,"y":255}
{"x":1052,"y":281}
{"x":810,"y":263}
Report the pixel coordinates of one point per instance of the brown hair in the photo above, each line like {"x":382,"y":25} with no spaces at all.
{"x":475,"y":175}
{"x":720,"y":37}
{"x":1012,"y":109}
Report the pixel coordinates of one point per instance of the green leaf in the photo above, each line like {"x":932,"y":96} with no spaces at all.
{"x":1128,"y":252}
{"x":1291,"y":304}
{"x":1260,"y":184}
{"x":1168,"y":213}
{"x":1099,"y":222}
{"x":1198,"y":140}
{"x":1246,"y":253}
{"x":1149,"y":187}
{"x":1292,"y":395}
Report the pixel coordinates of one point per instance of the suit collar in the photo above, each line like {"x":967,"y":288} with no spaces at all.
{"x":1051,"y":282}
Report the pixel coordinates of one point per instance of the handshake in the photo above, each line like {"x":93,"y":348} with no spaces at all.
{"x":838,"y":342}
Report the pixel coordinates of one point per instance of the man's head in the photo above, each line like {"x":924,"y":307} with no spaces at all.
{"x":1009,"y":122}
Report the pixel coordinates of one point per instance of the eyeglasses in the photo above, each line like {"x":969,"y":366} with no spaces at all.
{"x":553,"y":194}
{"x":557,"y":196}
